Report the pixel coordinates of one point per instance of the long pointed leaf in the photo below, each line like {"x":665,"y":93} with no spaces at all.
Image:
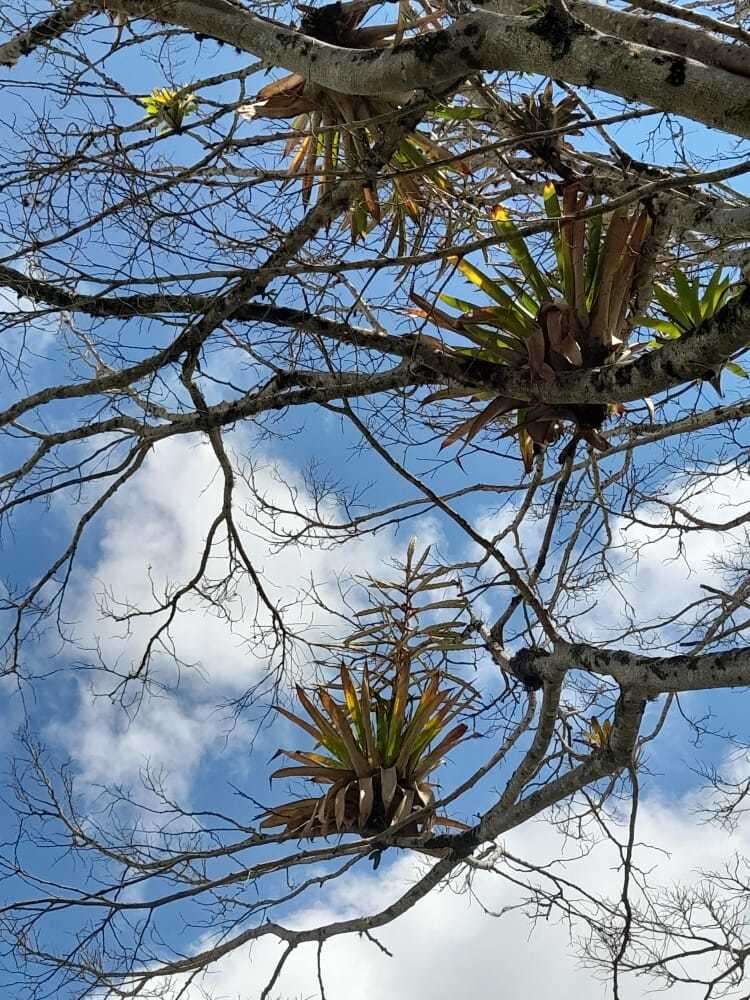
{"x":328,"y":736}
{"x":432,"y":760}
{"x":481,"y":280}
{"x":357,"y":758}
{"x":520,"y":253}
{"x":370,"y":742}
{"x":315,"y":733}
{"x":687,"y":296}
{"x":470,"y":428}
{"x":352,"y":705}
{"x":672,"y":306}
{"x":305,"y":757}
{"x":398,"y":703}
{"x":324,"y":774}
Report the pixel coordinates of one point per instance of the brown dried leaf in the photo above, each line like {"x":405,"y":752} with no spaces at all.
{"x":292,"y":83}
{"x":312,"y":773}
{"x":366,"y":801}
{"x":471,"y":427}
{"x":452,"y":824}
{"x":526,"y":446}
{"x":433,"y":759}
{"x":339,"y":810}
{"x":595,"y":439}
{"x":388,"y":785}
{"x":298,"y":722}
{"x":536,"y":351}
{"x":438,"y":317}
{"x":570,"y":349}
{"x":371,"y":200}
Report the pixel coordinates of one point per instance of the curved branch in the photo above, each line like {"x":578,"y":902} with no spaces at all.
{"x":651,"y":675}
{"x":43,"y":32}
{"x":572,"y":52}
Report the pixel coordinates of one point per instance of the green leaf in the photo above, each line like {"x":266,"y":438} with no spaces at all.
{"x":491,"y":347}
{"x":458,"y":113}
{"x":672,"y":307}
{"x":735,"y":369}
{"x":512,"y":321}
{"x":687,"y":294}
{"x":553,"y":210}
{"x":398,"y":708}
{"x":358,"y":761}
{"x":460,"y":304}
{"x":352,"y":706}
{"x":551,"y":201}
{"x":713,"y":293}
{"x":665,"y":328}
{"x":487,"y":285}
{"x":518,"y":250}
{"x":524,"y":303}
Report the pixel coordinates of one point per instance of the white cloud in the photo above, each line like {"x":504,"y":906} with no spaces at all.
{"x":448,"y":947}
{"x":164,"y":738}
{"x":659,"y":570}
{"x":152,"y":536}
{"x":662,"y":571}
{"x":25,"y":333}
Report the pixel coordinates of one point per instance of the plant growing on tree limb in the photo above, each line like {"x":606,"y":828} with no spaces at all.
{"x":380,"y":749}
{"x":393,"y":728}
{"x":540,"y":113}
{"x":337,"y":129}
{"x":213,"y":400}
{"x":170,"y":107}
{"x":576,"y":316}
{"x":686,"y":305}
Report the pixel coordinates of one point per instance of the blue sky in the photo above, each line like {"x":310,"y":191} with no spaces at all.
{"x":187,"y":733}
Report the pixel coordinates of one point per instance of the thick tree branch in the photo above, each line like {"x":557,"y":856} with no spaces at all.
{"x":43,"y":32}
{"x":655,"y":32}
{"x":480,"y":40}
{"x":696,"y":355}
{"x":650,"y":675}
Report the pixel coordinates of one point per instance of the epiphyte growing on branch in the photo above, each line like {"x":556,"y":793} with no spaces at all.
{"x":169,"y":107}
{"x":533,"y":115}
{"x":686,"y":306}
{"x":379,"y":747}
{"x":576,"y":315}
{"x":375,"y":750}
{"x":337,"y":132}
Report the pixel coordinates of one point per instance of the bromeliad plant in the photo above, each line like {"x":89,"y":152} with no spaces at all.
{"x":421,"y":613}
{"x":599,"y":733}
{"x":534,"y":114}
{"x":169,"y":107}
{"x":375,"y":750}
{"x":336,"y":131}
{"x":686,"y":305}
{"x":577,"y":315}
